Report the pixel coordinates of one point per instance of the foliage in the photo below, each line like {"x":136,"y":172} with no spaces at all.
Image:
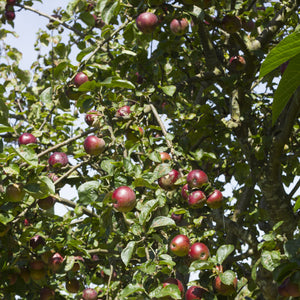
{"x":185,"y":99}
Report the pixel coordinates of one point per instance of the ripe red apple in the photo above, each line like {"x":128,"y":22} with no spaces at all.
{"x":26,"y":222}
{"x":80,"y":79}
{"x":196,"y":178}
{"x":231,"y":23}
{"x":46,"y":203}
{"x":167,"y":182}
{"x":224,"y":289}
{"x":47,"y":294}
{"x":237,"y":63}
{"x":176,"y":282}
{"x":164,"y":156}
{"x":289,"y":289}
{"x":199,"y":251}
{"x":58,"y":160}
{"x":27,"y":138}
{"x":89,"y":294}
{"x":53,"y":176}
{"x":248,"y":25}
{"x":94,"y":145}
{"x":36,"y":241}
{"x":15,"y":192}
{"x":196,"y":199}
{"x":72,"y":285}
{"x":10,"y":15}
{"x":146,"y":22}
{"x":124,"y":199}
{"x":91,"y":117}
{"x":194,"y":293}
{"x":123,"y":111}
{"x":55,"y":262}
{"x":99,"y":23}
{"x":177,"y":218}
{"x":180,"y":245}
{"x":185,"y":192}
{"x":179,"y":27}
{"x":214,"y":200}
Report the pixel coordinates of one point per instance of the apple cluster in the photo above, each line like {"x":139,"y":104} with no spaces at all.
{"x":9,"y":10}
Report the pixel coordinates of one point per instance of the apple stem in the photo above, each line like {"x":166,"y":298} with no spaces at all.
{"x":109,"y":280}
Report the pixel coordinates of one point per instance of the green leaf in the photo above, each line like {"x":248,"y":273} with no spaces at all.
{"x":27,"y":154}
{"x":142,"y":182}
{"x":297,"y":204}
{"x":131,"y":289}
{"x":108,"y":12}
{"x":270,"y":260}
{"x":4,"y":128}
{"x":227,"y":277}
{"x":169,"y":90}
{"x":291,"y":248}
{"x":155,"y":156}
{"x":5,"y":217}
{"x":146,"y":210}
{"x":88,"y":192}
{"x":223,"y":252}
{"x":285,"y":50}
{"x":127,"y":253}
{"x":3,"y":115}
{"x":201,"y":265}
{"x":171,"y":290}
{"x":288,"y":84}
{"x":162,"y":221}
{"x":12,"y":169}
{"x":46,"y":97}
{"x":115,"y":82}
{"x":161,"y":170}
{"x":283,"y":270}
{"x":108,"y":166}
{"x":40,"y":188}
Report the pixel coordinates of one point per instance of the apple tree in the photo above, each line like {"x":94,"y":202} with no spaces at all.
{"x":177,"y":122}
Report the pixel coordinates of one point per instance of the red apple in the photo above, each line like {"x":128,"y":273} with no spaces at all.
{"x":73,"y":285}
{"x":146,"y":22}
{"x":89,"y":294}
{"x":99,"y":23}
{"x":26,"y":222}
{"x":196,"y":178}
{"x":179,"y":27}
{"x":237,"y":63}
{"x":139,"y":78}
{"x":123,"y":111}
{"x":289,"y":289}
{"x":124,"y":199}
{"x":11,"y":2}
{"x":194,"y":293}
{"x":176,"y":282}
{"x":224,"y":289}
{"x":58,"y":160}
{"x":15,"y":192}
{"x":55,"y":262}
{"x":248,"y":25}
{"x":36,"y":241}
{"x":196,"y":199}
{"x":80,"y":79}
{"x":46,"y":203}
{"x":199,"y":251}
{"x":177,"y":217}
{"x":27,"y":138}
{"x":164,"y":156}
{"x":185,"y":192}
{"x":10,"y":15}
{"x":53,"y":176}
{"x":214,"y":200}
{"x":180,"y":245}
{"x":47,"y":294}
{"x":231,"y":23}
{"x":91,"y":117}
{"x":94,"y":145}
{"x":167,"y":182}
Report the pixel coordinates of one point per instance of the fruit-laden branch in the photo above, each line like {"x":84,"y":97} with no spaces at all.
{"x":274,"y":26}
{"x":66,"y":142}
{"x":73,"y":205}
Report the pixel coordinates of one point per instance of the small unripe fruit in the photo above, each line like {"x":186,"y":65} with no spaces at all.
{"x":73,"y":285}
{"x":55,"y":262}
{"x":237,"y":63}
{"x":46,"y":203}
{"x":164,"y":156}
{"x":80,"y":79}
{"x":91,"y":117}
{"x":231,"y":24}
{"x":15,"y":192}
{"x":146,"y":22}
{"x":47,"y":294}
{"x":27,"y":138}
{"x":179,"y":27}
{"x":94,"y":145}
